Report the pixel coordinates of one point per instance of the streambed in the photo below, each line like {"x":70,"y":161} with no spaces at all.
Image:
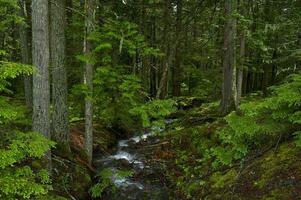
{"x":135,"y":154}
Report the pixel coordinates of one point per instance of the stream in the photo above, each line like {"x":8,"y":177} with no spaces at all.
{"x":134,"y":154}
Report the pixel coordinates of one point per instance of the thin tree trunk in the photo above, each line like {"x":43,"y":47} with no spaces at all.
{"x":25,"y":52}
{"x":242,"y":52}
{"x":60,"y":121}
{"x":178,"y":58}
{"x":299,"y":46}
{"x":40,"y":58}
{"x":88,"y":79}
{"x":162,"y":82}
{"x":162,"y":89}
{"x":240,"y":73}
{"x":153,"y":65}
{"x":228,"y":57}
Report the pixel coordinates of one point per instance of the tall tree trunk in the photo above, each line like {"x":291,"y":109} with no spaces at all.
{"x":88,"y":79}
{"x":242,"y":52}
{"x":299,"y":46}
{"x":228,"y":57}
{"x":176,"y":75}
{"x":25,"y":52}
{"x":160,"y":92}
{"x":240,"y":73}
{"x":162,"y":89}
{"x":60,"y":121}
{"x":267,"y":68}
{"x":40,"y":59}
{"x":153,"y":64}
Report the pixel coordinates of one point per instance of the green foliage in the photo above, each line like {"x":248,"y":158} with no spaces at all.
{"x":10,"y":70}
{"x":17,"y":150}
{"x":106,"y":176}
{"x":9,"y":16}
{"x":115,"y":94}
{"x":118,"y":94}
{"x":260,"y":124}
{"x":125,"y":36}
{"x":24,"y":145}
{"x":154,"y":112}
{"x":261,"y":121}
{"x":18,"y":179}
{"x":202,"y":83}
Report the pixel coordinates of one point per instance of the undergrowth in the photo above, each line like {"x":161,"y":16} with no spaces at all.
{"x":203,"y":151}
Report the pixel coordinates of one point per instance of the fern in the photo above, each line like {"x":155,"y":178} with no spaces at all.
{"x":260,"y":120}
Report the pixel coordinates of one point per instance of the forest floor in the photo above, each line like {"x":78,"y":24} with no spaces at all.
{"x":270,"y":173}
{"x":73,"y":176}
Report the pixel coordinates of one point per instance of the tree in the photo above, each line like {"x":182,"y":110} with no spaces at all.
{"x":176,"y":75}
{"x":60,"y":130}
{"x":242,"y":52}
{"x":25,"y":52}
{"x":88,"y":79}
{"x":163,"y":85}
{"x":40,"y":59}
{"x":229,"y":67}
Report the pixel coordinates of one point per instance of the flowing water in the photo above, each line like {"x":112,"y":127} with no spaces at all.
{"x":147,"y":181}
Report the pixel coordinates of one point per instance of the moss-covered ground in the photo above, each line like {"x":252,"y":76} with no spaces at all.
{"x":272,"y":172}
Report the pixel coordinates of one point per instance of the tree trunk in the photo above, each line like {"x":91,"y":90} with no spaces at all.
{"x":153,"y":65}
{"x":162,"y":82}
{"x":299,"y":46}
{"x":176,"y":75}
{"x":60,"y":120}
{"x":242,"y":52}
{"x":40,"y":59}
{"x":228,"y":57}
{"x":162,"y":89}
{"x":240,"y":73}
{"x":25,"y":52}
{"x":88,"y":80}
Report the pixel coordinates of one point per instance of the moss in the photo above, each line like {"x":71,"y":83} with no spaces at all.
{"x":280,"y":194}
{"x":37,"y":164}
{"x":280,"y":173}
{"x":82,"y":180}
{"x":63,"y":150}
{"x":219,"y":180}
{"x":71,"y":177}
{"x":275,"y":175}
{"x":51,"y":197}
{"x":274,"y":166}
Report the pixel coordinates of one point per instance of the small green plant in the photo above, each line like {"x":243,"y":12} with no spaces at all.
{"x":106,"y":176}
{"x":154,"y":112}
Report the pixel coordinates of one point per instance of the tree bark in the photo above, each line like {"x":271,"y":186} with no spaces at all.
{"x":25,"y":52}
{"x":40,"y":59}
{"x":166,"y":62}
{"x":299,"y":46}
{"x":176,"y":73}
{"x":88,"y":79}
{"x":60,"y":120}
{"x":240,"y":73}
{"x":164,"y":78}
{"x":228,"y":57}
{"x":242,"y":53}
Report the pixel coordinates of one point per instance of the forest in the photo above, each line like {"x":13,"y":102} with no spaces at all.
{"x":150,"y":99}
